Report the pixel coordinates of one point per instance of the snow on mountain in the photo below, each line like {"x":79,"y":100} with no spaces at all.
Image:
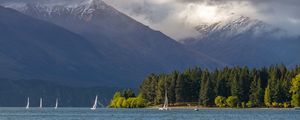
{"x":245,"y":41}
{"x":239,"y":26}
{"x":81,"y":8}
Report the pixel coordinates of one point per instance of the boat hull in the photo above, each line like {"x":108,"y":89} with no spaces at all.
{"x":164,"y":109}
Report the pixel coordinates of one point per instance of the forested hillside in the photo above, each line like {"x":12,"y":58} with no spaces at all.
{"x":232,"y":87}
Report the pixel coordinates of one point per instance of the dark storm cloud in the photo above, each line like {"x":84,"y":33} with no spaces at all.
{"x":163,"y":14}
{"x":281,"y":13}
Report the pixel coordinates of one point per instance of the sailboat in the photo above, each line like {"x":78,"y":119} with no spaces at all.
{"x":27,"y":106}
{"x":41,"y":102}
{"x":165,"y":107}
{"x":56,"y":104}
{"x":196,"y":109}
{"x":95,"y":103}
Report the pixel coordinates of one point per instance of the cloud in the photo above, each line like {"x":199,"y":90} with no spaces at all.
{"x":177,"y":18}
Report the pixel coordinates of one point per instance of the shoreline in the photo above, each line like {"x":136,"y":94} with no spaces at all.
{"x":152,"y":108}
{"x":215,"y":108}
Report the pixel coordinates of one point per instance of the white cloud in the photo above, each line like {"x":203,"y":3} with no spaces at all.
{"x":177,"y":18}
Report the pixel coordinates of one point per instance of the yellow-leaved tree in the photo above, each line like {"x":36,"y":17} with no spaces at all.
{"x":295,"y":91}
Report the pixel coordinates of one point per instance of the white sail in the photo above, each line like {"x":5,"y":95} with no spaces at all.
{"x":27,"y":106}
{"x":166,"y":103}
{"x":56,"y":104}
{"x":95,"y":103}
{"x":41,"y":102}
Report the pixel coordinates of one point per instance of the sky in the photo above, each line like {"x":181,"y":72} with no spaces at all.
{"x":178,"y":18}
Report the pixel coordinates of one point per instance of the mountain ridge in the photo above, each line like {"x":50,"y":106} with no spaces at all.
{"x":245,"y":41}
{"x":43,"y":51}
{"x":129,"y":49}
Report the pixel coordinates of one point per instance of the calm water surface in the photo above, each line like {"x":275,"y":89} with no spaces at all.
{"x":147,"y":114}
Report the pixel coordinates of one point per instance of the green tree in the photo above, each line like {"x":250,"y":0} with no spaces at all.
{"x":140,"y":102}
{"x":221,"y":86}
{"x":148,"y":88}
{"x":206,"y":93}
{"x":249,"y":104}
{"x":235,"y":86}
{"x":128,"y":93}
{"x":161,"y":89}
{"x":244,"y":84}
{"x":274,"y":85}
{"x":256,"y":92}
{"x":220,"y":101}
{"x":179,"y":90}
{"x":114,"y":101}
{"x":295,"y":91}
{"x":172,"y":88}
{"x":125,"y":104}
{"x":192,"y":78}
{"x":120,"y":102}
{"x":232,"y":101}
{"x":267,"y":97}
{"x":130,"y":103}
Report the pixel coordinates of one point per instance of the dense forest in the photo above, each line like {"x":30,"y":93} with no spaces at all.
{"x":274,"y":86}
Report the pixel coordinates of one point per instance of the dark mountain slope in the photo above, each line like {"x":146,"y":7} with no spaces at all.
{"x":132,"y":49}
{"x":31,"y":48}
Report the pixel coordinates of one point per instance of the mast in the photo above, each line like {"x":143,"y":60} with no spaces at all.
{"x":166,"y":104}
{"x":27,"y":106}
{"x":95,"y":103}
{"x":41,"y":102}
{"x":166,"y":100}
{"x":56,"y":103}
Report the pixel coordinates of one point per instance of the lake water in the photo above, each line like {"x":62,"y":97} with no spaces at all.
{"x":147,"y":114}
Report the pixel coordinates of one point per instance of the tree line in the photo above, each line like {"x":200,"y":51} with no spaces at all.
{"x":274,"y":86}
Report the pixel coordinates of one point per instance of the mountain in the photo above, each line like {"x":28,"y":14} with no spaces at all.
{"x":35,"y":49}
{"x":246,"y":41}
{"x":119,"y":50}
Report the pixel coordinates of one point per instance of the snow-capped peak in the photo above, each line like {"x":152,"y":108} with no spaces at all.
{"x":239,"y":25}
{"x":95,"y":4}
{"x":50,"y":8}
{"x":89,"y":6}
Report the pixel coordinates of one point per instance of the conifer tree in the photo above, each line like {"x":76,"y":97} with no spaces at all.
{"x":256,"y":92}
{"x":267,"y":97}
{"x":206,"y":93}
{"x":161,"y":88}
{"x":179,"y":90}
{"x":172,"y":94}
{"x":235,"y":87}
